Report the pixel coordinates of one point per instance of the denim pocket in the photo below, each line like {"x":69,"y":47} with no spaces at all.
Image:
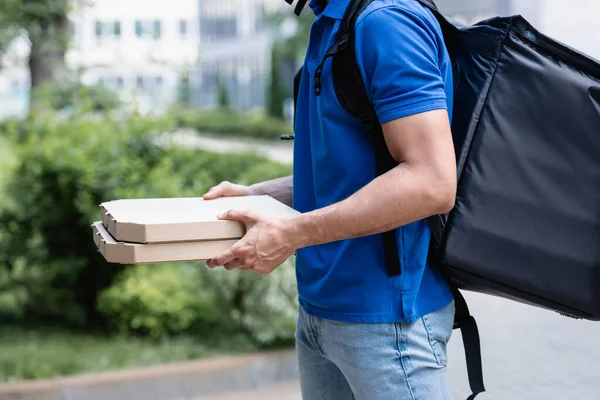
{"x":439,"y":325}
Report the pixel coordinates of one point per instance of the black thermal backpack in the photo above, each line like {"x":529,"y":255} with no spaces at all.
{"x":526,"y":131}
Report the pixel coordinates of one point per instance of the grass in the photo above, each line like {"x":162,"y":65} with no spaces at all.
{"x":31,"y":354}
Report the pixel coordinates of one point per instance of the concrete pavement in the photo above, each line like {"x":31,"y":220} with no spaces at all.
{"x":287,"y":391}
{"x":529,"y":354}
{"x":279,"y":151}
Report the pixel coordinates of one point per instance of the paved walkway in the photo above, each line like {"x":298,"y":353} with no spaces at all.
{"x":287,"y":391}
{"x":529,"y":354}
{"x":276,"y":150}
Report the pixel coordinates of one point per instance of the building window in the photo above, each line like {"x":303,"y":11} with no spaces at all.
{"x":183,"y":28}
{"x":120,"y":82}
{"x":156,"y":33}
{"x":218,"y":29}
{"x":148,"y":28}
{"x":138,"y":29}
{"x":106,"y":30}
{"x":140,"y":83}
{"x":98,"y":30}
{"x":159,"y":81}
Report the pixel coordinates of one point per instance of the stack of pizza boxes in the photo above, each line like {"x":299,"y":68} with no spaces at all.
{"x":141,"y":231}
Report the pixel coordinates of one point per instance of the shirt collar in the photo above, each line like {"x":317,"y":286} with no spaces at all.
{"x":334,"y":9}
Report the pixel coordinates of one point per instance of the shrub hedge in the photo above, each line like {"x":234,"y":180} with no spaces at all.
{"x":50,"y":270}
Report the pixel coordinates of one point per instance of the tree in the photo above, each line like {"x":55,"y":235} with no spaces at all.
{"x":222,"y":93}
{"x":8,"y":31}
{"x":46,"y":24}
{"x":184,"y":90}
{"x":293,"y":46}
{"x":286,"y":51}
{"x":277,"y":90}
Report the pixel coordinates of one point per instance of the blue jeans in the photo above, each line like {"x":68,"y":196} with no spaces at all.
{"x":393,"y":361}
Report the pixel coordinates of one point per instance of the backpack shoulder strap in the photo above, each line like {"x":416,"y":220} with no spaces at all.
{"x":351,"y":93}
{"x":353,"y":96}
{"x":464,"y":321}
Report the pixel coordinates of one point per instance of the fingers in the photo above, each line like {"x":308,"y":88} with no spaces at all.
{"x":222,"y":259}
{"x":226,"y":189}
{"x":235,"y":264}
{"x":237,"y":257}
{"x":217,"y":191}
{"x":247,"y":217}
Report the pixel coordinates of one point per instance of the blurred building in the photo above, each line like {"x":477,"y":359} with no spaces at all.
{"x":235,"y":48}
{"x":573,"y":22}
{"x":138,"y":47}
{"x":143,"y":48}
{"x":471,"y":11}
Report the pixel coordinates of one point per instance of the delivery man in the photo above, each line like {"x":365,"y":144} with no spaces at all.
{"x":361,"y":333}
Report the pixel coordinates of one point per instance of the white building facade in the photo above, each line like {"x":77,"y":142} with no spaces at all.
{"x":142,"y":47}
{"x":137,"y":47}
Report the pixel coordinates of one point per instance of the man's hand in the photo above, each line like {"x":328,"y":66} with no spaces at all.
{"x":266,"y":245}
{"x":227,"y":189}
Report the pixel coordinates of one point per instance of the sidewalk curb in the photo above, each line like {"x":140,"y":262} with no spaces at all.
{"x":167,"y":382}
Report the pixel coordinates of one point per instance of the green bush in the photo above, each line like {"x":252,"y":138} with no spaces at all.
{"x":264,"y":306}
{"x":73,"y":94}
{"x":159,"y":300}
{"x":232,"y":123}
{"x":168,"y":300}
{"x":65,"y":169}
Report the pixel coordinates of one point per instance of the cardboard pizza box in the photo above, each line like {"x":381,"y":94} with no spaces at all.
{"x":134,"y":253}
{"x":183,"y":219}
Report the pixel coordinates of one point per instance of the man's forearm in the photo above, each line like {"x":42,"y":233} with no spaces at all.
{"x":394,"y":199}
{"x":280,"y":189}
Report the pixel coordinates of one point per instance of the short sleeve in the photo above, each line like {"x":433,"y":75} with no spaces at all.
{"x":397,"y":52}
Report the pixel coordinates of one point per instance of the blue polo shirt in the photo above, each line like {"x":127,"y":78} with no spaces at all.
{"x":406,"y":70}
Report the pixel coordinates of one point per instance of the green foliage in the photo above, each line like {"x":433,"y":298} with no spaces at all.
{"x":66,"y":168}
{"x":173,"y":299}
{"x":231,"y":123}
{"x":265,"y":306}
{"x":45,"y":23}
{"x":29,"y":12}
{"x":294,"y":46}
{"x":160,"y":300}
{"x":73,"y":94}
{"x":38,"y":354}
{"x":8,"y":31}
{"x":277,"y":92}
